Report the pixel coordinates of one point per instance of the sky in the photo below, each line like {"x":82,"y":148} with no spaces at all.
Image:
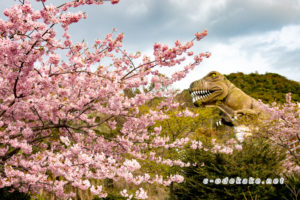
{"x":243,"y":35}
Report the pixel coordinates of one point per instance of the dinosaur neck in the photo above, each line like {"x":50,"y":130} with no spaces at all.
{"x":236,"y":99}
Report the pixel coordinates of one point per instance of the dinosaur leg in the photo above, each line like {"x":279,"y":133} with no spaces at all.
{"x":245,"y":112}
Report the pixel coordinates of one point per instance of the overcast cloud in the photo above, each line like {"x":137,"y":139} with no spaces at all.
{"x":243,"y":36}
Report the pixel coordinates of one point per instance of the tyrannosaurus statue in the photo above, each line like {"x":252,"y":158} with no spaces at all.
{"x":215,"y":89}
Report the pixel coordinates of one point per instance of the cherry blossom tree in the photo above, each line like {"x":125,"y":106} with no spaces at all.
{"x":282,"y":126}
{"x":51,"y":105}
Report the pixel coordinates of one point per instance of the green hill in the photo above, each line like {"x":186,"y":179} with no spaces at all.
{"x":268,"y":87}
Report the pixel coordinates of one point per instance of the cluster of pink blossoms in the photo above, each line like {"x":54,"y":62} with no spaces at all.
{"x":140,"y":194}
{"x":282,"y":126}
{"x":226,"y":148}
{"x":53,"y":111}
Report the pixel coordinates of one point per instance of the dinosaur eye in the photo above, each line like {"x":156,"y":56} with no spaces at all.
{"x":213,"y":74}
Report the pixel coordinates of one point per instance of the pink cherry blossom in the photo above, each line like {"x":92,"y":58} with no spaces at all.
{"x":238,"y":147}
{"x":95,"y":190}
{"x":281,"y":126}
{"x":124,"y":193}
{"x":65,"y":140}
{"x":54,"y":59}
{"x":199,"y":36}
{"x":141,"y":194}
{"x":60,"y":119}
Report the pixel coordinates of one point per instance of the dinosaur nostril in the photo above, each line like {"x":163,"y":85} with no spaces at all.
{"x":192,"y":85}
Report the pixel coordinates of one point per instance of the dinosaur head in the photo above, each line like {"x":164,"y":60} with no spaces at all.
{"x":211,"y":88}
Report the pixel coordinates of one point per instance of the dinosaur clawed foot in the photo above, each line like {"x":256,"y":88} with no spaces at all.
{"x":219,"y":122}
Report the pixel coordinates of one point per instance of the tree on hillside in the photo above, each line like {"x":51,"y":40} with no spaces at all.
{"x":53,"y":110}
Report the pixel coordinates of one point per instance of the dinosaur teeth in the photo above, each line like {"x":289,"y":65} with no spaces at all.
{"x":219,"y":123}
{"x":200,"y":94}
{"x":195,"y":98}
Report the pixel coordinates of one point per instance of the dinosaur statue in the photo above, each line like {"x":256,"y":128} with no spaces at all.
{"x":215,"y":89}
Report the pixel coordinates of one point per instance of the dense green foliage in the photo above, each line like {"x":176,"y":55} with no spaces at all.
{"x":111,"y":197}
{"x":5,"y":194}
{"x":269,"y":87}
{"x":258,"y":159}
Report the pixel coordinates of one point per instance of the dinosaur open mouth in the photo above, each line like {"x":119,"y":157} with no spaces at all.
{"x":201,"y":95}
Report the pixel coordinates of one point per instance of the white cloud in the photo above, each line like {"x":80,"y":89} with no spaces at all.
{"x":278,"y":5}
{"x":287,"y":38}
{"x":134,"y":8}
{"x":260,"y":52}
{"x":196,"y":10}
{"x":227,"y":59}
